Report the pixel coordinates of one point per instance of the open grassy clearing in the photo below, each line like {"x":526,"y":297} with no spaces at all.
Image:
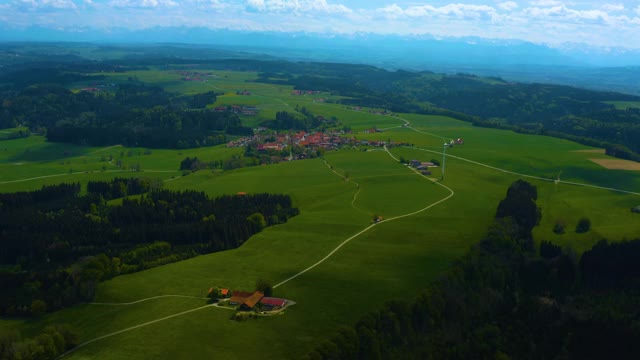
{"x":624,"y":105}
{"x":617,"y":164}
{"x":392,"y":260}
{"x":29,"y":163}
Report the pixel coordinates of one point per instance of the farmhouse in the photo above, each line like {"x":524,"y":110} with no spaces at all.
{"x":251,"y":301}
{"x":270,"y":303}
{"x":238,"y":297}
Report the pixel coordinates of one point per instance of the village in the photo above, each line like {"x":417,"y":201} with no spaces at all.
{"x":267,"y":141}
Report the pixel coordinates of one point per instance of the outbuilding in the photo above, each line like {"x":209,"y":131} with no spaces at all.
{"x":270,"y":303}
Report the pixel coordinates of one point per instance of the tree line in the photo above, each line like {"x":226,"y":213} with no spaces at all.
{"x":51,"y":343}
{"x":504,"y":300}
{"x":56,"y":245}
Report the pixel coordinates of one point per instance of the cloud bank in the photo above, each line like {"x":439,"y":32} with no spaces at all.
{"x":609,"y":24}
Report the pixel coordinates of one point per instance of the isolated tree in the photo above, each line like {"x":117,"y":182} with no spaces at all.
{"x":559,"y":227}
{"x":584,"y":225}
{"x":265,"y":287}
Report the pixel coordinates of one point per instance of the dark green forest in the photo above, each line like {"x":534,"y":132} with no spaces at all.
{"x":505,"y":300}
{"x":56,"y":245}
{"x":131,"y":113}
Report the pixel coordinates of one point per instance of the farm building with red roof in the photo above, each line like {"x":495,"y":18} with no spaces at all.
{"x":270,"y":303}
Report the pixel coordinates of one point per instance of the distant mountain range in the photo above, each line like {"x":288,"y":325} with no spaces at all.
{"x":572,"y":64}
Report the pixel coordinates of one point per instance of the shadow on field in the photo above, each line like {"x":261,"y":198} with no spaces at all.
{"x":620,"y":179}
{"x":49,"y":152}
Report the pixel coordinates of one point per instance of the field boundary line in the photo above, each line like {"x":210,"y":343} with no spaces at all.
{"x":151,"y":298}
{"x":452,"y":193}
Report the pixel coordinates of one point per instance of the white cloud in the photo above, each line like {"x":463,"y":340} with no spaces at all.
{"x":280,"y":6}
{"x":45,"y":4}
{"x":614,"y":22}
{"x":392,"y":11}
{"x":143,"y":4}
{"x":508,"y":5}
{"x":459,"y":11}
{"x":543,"y":3}
{"x":613,"y":7}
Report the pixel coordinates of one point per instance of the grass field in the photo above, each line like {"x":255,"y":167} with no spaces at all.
{"x":392,"y":260}
{"x":624,"y":105}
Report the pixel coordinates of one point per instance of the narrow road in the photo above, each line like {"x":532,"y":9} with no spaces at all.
{"x":355,"y":196}
{"x":136,"y":327}
{"x":151,"y":298}
{"x":85,"y":172}
{"x":146,"y":323}
{"x":451,"y":194}
{"x":529,"y":176}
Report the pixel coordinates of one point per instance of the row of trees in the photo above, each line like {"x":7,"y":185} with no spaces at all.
{"x":55,"y":249}
{"x":49,"y":345}
{"x":505,"y":301}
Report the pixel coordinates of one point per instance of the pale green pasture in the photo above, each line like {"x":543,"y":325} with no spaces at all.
{"x":624,"y":105}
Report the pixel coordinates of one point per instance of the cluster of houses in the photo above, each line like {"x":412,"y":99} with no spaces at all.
{"x":264,"y":142}
{"x":374,"y":112}
{"x":237,"y":109}
{"x":305,"y":92}
{"x":248,"y":301}
{"x":330,"y":140}
{"x":193,"y":75}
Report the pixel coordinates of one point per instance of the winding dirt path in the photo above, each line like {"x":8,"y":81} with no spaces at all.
{"x":451,"y":194}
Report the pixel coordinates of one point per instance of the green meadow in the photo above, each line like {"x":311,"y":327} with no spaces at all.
{"x":624,"y":105}
{"x":392,"y":260}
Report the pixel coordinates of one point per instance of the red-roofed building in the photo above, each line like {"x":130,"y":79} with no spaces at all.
{"x":270,"y":303}
{"x":224,"y":292}
{"x":251,"y":301}
{"x":238,"y":297}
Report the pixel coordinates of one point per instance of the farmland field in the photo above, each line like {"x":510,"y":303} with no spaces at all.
{"x":392,"y":260}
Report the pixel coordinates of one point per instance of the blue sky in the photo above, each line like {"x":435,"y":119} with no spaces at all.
{"x":600,"y":23}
